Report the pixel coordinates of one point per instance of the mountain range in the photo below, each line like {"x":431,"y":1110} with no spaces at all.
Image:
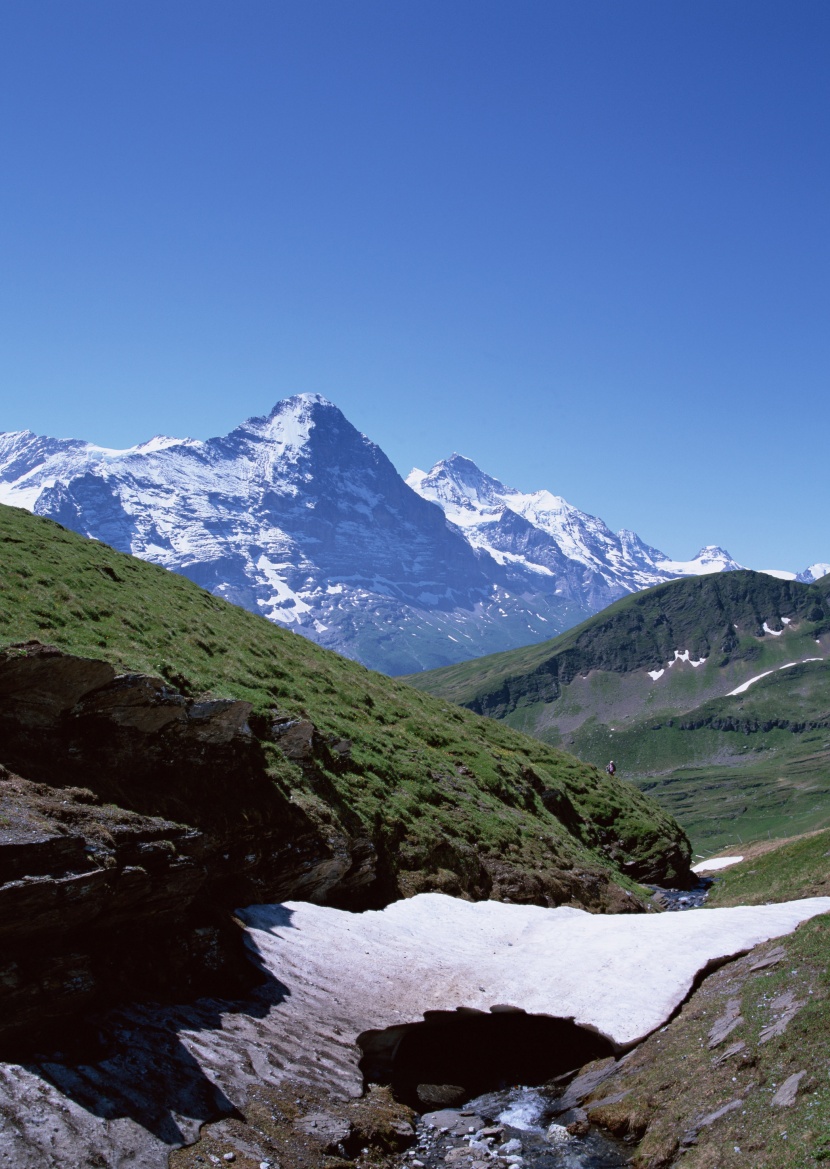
{"x":301,"y":518}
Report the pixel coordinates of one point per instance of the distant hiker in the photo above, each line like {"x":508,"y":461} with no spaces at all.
{"x":611,"y":768}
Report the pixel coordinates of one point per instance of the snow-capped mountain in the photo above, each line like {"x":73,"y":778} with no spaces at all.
{"x":814,"y":572}
{"x":544,"y":532}
{"x":301,"y":518}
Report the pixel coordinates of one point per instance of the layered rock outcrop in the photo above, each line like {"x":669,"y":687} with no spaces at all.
{"x":138,"y":743}
{"x":132,"y":820}
{"x":98,"y":903}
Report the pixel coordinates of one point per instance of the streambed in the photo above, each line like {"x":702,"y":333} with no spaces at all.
{"x":515,"y":1128}
{"x":680,"y":899}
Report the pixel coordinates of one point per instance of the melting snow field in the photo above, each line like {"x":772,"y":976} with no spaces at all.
{"x":621,"y":974}
{"x":332,"y":975}
{"x":750,"y":681}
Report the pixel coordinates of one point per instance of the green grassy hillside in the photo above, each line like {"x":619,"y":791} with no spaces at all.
{"x":728,"y":766}
{"x":719,"y":618}
{"x":430,"y":783}
{"x":776,"y":871}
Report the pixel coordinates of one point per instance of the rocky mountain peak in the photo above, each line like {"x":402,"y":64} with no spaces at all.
{"x":461,"y":488}
{"x":813,"y":573}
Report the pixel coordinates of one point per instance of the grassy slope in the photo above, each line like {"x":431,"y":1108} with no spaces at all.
{"x":796,"y":868}
{"x":728,"y":768}
{"x":735,"y":768}
{"x":422,"y":771}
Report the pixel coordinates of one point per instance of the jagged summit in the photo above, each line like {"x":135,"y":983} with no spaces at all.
{"x":813,"y":573}
{"x":542,"y":531}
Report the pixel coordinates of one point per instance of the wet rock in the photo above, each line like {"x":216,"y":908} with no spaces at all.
{"x":581,"y":1087}
{"x":441,"y":1094}
{"x":453,"y":1122}
{"x":575,"y":1120}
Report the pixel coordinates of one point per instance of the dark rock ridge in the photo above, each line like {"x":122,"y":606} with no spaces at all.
{"x":140,"y":744}
{"x":98,"y":903}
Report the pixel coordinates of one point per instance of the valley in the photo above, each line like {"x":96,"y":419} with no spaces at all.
{"x":711,"y":694}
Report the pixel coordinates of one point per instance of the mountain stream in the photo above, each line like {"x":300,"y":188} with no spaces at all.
{"x":514,"y":1128}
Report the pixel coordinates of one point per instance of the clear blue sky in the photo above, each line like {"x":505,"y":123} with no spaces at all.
{"x":584,"y":242}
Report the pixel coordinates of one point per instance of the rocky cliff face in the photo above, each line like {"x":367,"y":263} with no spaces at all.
{"x":138,"y":743}
{"x":98,"y":903}
{"x":104,"y":898}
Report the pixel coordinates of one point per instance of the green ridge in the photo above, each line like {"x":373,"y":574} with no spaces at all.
{"x":728,"y":767}
{"x":422,"y":773}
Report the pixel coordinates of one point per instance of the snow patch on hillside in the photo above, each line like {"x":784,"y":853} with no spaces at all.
{"x":751,"y":681}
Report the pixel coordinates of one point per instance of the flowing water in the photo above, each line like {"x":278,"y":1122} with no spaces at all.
{"x":531,"y":1139}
